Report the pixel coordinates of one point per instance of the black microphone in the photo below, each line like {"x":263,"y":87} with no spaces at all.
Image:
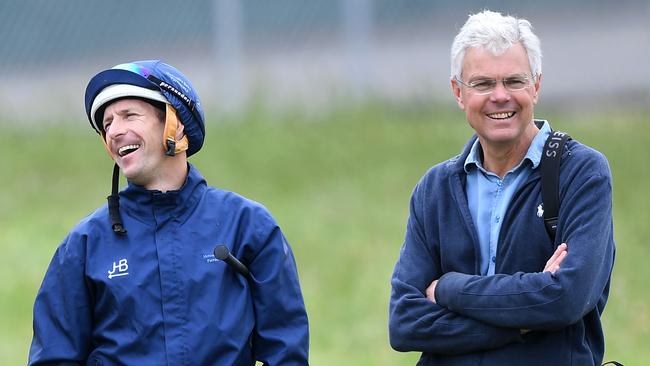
{"x":221,"y":252}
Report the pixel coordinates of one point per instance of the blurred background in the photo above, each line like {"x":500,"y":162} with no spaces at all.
{"x":308,"y":53}
{"x":327,"y":112}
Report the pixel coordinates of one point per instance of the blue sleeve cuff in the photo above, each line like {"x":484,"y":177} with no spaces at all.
{"x":448,"y":288}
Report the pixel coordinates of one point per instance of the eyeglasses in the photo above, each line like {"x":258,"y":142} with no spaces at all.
{"x":483,"y":86}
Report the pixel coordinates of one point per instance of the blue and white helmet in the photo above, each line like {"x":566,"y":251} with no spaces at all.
{"x":153,"y":80}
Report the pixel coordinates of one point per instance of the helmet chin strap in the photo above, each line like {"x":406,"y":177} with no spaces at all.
{"x":170,"y":144}
{"x":114,"y":204}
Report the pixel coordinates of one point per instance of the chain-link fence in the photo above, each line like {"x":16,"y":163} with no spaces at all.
{"x":305,"y":52}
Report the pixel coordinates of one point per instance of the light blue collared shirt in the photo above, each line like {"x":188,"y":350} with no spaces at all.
{"x":488,"y":195}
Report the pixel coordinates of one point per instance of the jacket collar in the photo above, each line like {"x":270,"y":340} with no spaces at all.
{"x":153,"y":204}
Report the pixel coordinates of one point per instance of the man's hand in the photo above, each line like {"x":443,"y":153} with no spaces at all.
{"x":431,"y":291}
{"x":553,"y":263}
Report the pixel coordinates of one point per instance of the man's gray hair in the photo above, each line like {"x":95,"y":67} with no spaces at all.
{"x":495,"y":33}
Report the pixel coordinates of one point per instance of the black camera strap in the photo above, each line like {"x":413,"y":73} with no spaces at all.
{"x":550,"y":169}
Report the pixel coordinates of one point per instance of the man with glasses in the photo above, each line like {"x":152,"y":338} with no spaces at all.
{"x":478,"y":279}
{"x":136,"y":282}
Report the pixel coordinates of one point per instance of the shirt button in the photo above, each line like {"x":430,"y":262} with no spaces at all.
{"x":494,"y":259}
{"x":497,"y":219}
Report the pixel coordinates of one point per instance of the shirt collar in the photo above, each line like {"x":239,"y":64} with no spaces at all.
{"x":474,"y":157}
{"x":534,"y":153}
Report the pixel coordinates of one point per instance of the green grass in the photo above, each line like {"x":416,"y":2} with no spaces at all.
{"x":338,"y":183}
